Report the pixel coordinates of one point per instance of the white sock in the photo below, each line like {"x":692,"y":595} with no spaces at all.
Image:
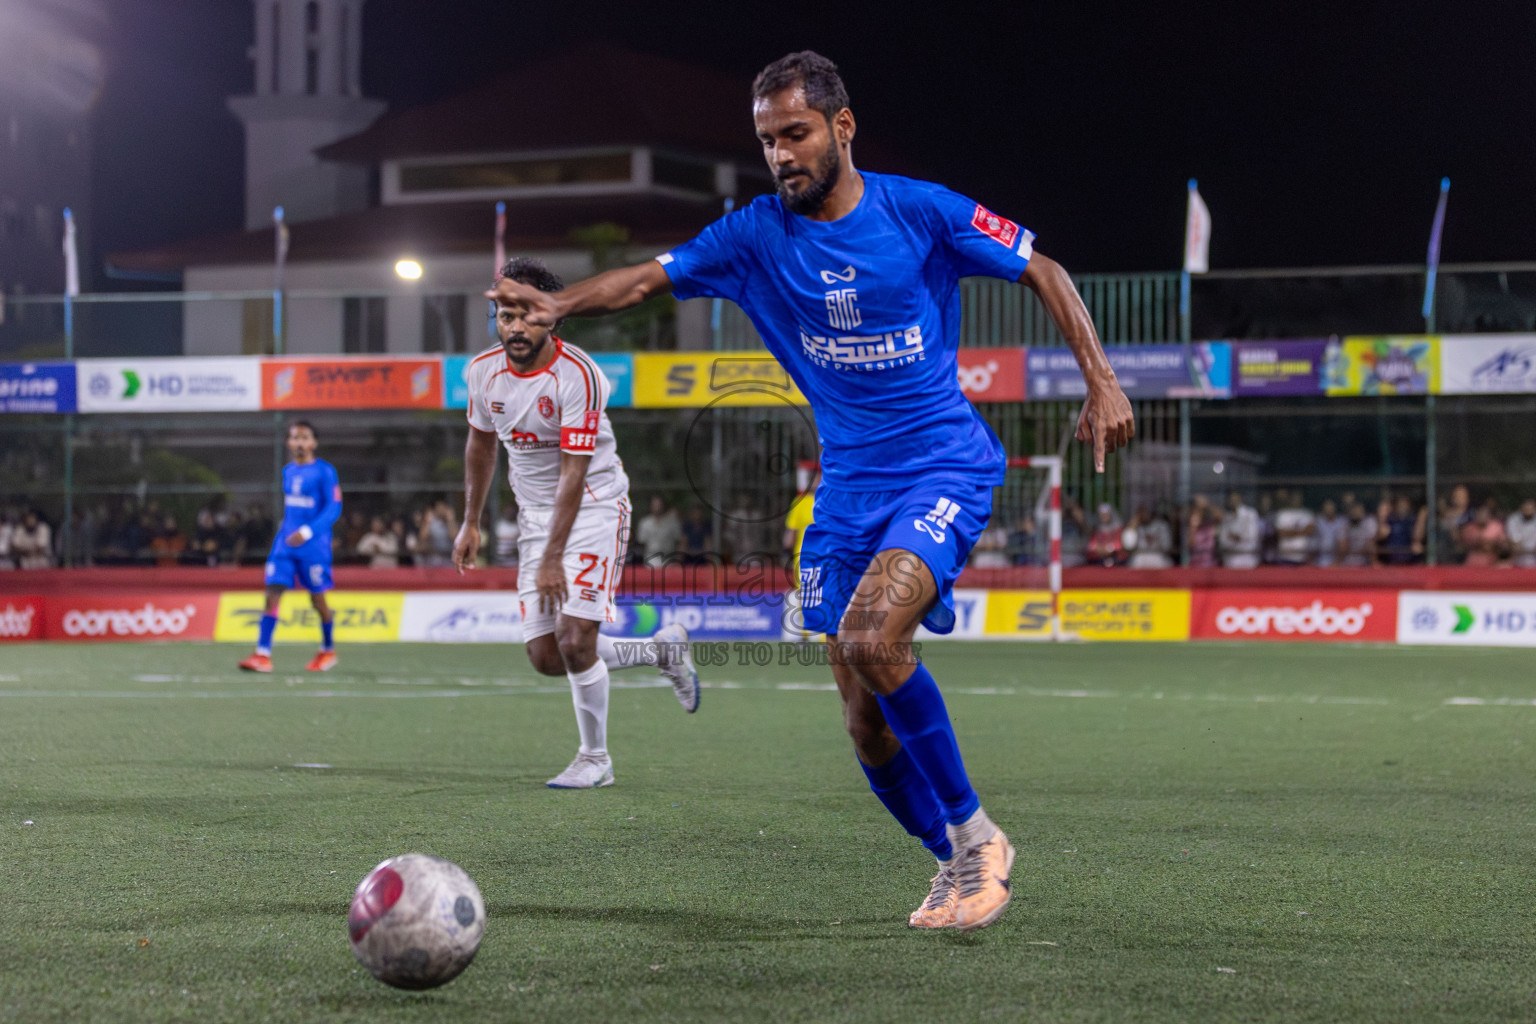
{"x":633,"y":654}
{"x":589,"y":692}
{"x":973,"y":831}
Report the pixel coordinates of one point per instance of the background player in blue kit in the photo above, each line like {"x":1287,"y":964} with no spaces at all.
{"x":301,"y":551}
{"x":852,"y":279}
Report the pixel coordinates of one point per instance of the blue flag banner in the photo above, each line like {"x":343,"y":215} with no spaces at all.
{"x":1433,"y":260}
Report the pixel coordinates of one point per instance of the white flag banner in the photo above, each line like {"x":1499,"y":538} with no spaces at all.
{"x":1197,"y":234}
{"x":71,"y":256}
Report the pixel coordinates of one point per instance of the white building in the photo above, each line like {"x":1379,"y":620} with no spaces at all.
{"x":580,"y":147}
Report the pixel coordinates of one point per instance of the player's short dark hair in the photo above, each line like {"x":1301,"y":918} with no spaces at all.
{"x":306,"y":425}
{"x":824,"y":90}
{"x":532,"y":272}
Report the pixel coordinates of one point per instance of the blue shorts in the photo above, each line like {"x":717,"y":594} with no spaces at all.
{"x":936,"y":518}
{"x":299,"y":567}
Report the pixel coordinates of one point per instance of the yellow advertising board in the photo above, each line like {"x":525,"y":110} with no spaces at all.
{"x":362,"y":616}
{"x":1090,"y":614}
{"x":678,"y":380}
{"x":1389,"y":365}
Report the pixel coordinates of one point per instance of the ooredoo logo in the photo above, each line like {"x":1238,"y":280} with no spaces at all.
{"x":16,"y":621}
{"x":1315,"y":618}
{"x":145,"y":621}
{"x":977,"y":378}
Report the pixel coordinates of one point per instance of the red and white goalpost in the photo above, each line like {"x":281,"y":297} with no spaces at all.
{"x":1051,"y":464}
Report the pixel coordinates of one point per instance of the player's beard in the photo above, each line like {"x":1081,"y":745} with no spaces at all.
{"x":533,"y":350}
{"x":813,"y":197}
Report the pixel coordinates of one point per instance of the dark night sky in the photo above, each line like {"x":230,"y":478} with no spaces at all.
{"x":1319,"y":132}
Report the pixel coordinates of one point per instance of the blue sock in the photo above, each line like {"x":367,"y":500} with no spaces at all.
{"x":909,"y":798}
{"x":327,"y":635}
{"x":916,"y":714}
{"x":264,"y":641}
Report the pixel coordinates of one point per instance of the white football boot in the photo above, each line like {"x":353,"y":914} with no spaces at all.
{"x":674,"y":656}
{"x":588,"y":771}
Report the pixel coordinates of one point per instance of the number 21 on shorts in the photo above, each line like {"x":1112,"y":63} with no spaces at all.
{"x":588,"y":563}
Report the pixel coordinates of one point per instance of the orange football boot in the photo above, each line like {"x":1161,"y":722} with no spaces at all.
{"x":257,"y":663}
{"x":323,"y":661}
{"x":981,"y":875}
{"x":938,"y":910}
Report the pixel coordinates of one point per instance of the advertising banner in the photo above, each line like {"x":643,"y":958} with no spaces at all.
{"x":691,"y":381}
{"x":461,"y":617}
{"x":170,"y":384}
{"x":132,"y":615}
{"x":362,"y":616}
{"x":716,"y":617}
{"x":1201,"y":370}
{"x":992,"y":374}
{"x":1474,"y":620}
{"x":37,"y":387}
{"x":1090,"y":614}
{"x":1309,"y":615}
{"x":21,"y":617}
{"x":1269,"y":368}
{"x":338,"y":383}
{"x":1487,"y":364}
{"x":970,"y":617}
{"x":1401,"y":365}
{"x":618,"y":367}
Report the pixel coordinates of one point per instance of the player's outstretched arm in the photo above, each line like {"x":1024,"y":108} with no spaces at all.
{"x":1106,"y":419}
{"x":479,"y":472}
{"x":608,"y":292}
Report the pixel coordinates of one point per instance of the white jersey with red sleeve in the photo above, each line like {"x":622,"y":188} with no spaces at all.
{"x":538,"y":415}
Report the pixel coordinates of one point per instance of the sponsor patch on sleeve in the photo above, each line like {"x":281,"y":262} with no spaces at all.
{"x":574,"y":440}
{"x":1000,"y":229}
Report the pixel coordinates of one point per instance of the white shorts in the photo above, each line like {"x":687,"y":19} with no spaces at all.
{"x":594,"y":559}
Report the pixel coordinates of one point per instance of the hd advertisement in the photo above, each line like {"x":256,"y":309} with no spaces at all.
{"x":169,"y":384}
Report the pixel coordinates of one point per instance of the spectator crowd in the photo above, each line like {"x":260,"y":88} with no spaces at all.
{"x":1279,"y":529}
{"x":1282,"y":530}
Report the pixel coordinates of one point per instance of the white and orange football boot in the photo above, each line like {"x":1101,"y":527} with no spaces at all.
{"x":981,"y":879}
{"x":257,"y":663}
{"x":938,"y":910}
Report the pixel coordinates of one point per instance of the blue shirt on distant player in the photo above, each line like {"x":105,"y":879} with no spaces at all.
{"x":311,"y":498}
{"x":864,"y":314}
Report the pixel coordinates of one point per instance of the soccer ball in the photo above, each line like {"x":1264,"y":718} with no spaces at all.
{"x":416,"y":921}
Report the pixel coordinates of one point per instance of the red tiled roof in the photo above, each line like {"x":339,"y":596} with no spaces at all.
{"x":598,"y":94}
{"x":595,"y":95}
{"x":435,"y":229}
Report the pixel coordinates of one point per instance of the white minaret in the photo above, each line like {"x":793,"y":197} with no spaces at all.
{"x":308,"y":93}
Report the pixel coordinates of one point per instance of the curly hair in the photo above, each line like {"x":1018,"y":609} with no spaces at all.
{"x":532,"y":272}
{"x":824,"y":90}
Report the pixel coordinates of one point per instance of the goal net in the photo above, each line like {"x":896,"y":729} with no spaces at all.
{"x":1022,"y":544}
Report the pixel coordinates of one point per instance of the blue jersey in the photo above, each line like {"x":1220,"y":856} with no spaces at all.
{"x":864,"y":314}
{"x":312,"y":498}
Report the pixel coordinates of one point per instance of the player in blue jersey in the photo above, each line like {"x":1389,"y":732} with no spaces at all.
{"x":301,"y":551}
{"x":852,"y":279}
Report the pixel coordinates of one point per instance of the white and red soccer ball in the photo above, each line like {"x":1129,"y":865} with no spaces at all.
{"x":416,"y":921}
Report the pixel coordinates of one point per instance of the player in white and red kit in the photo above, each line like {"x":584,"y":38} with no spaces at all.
{"x":543,"y":398}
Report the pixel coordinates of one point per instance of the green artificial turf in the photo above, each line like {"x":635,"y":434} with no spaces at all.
{"x":1205,"y":832}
